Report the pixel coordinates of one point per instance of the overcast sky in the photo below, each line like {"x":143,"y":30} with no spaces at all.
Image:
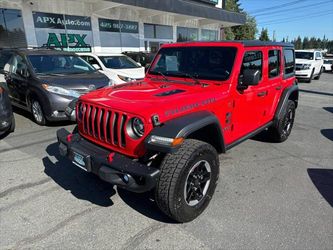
{"x":292,"y":17}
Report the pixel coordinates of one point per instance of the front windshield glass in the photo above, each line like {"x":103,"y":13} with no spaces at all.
{"x":118,"y":62}
{"x":59,"y":64}
{"x":210,"y":63}
{"x":304,"y":55}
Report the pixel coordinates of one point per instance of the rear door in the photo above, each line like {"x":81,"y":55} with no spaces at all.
{"x":274,"y":83}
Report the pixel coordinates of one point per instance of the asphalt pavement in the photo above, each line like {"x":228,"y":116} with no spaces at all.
{"x":270,"y":196}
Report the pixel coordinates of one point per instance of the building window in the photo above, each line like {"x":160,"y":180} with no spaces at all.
{"x":187,"y":34}
{"x":209,"y":35}
{"x":274,"y":63}
{"x":155,"y":31}
{"x":11,"y":29}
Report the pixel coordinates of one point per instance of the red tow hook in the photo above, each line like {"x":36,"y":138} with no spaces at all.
{"x":110,"y":157}
{"x":69,"y":137}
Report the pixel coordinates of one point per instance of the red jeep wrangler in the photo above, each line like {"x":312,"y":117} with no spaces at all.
{"x":197,"y":100}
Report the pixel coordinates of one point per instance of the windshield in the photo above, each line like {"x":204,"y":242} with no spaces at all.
{"x":304,"y":55}
{"x":59,"y":64}
{"x":210,"y":63}
{"x":118,"y":62}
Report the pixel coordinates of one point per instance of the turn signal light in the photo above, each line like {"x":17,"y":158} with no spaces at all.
{"x":1,"y":90}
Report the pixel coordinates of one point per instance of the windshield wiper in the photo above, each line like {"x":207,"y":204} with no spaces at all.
{"x":196,"y":80}
{"x":165,"y":78}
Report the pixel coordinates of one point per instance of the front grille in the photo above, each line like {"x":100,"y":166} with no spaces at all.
{"x":103,"y":124}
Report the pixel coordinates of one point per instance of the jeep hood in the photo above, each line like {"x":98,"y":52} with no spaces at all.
{"x":146,"y":98}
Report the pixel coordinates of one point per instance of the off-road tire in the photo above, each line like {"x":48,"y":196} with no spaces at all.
{"x":42,"y":120}
{"x":280,"y":131}
{"x":175,"y":169}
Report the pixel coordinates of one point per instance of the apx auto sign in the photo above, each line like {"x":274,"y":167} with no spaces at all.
{"x":68,"y":32}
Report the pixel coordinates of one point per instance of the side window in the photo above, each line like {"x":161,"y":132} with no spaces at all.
{"x":274,"y":63}
{"x":318,"y":55}
{"x":18,"y":66}
{"x":5,"y":60}
{"x":91,"y":60}
{"x":252,"y":60}
{"x":289,"y":62}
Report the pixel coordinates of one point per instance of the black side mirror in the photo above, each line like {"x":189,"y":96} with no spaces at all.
{"x":250,"y":77}
{"x":147,"y":67}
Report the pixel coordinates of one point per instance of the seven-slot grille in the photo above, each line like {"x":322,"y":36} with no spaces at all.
{"x":103,"y":124}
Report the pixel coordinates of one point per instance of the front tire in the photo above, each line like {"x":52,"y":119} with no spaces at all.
{"x":188,"y":180}
{"x":318,"y":76}
{"x":311,"y":77}
{"x":37,"y":112}
{"x":12,"y":126}
{"x":280,"y":131}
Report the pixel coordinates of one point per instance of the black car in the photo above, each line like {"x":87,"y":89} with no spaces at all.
{"x":45,"y":81}
{"x":7,"y":121}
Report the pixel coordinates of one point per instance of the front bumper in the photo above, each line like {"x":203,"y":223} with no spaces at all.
{"x":111,"y":167}
{"x":303,"y":73}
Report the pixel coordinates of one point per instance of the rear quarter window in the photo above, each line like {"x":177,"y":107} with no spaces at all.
{"x":289,"y":63}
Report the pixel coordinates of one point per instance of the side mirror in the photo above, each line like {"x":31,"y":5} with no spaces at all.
{"x":24,"y":73}
{"x":147,"y":67}
{"x":139,"y":64}
{"x":250,"y":77}
{"x":96,"y":66}
{"x":318,"y":58}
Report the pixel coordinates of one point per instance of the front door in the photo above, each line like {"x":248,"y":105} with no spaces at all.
{"x":17,"y":80}
{"x":248,"y":106}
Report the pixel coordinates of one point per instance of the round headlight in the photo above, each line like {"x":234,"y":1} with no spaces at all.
{"x":138,"y":127}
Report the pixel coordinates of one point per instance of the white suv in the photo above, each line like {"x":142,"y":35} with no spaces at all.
{"x":309,"y":64}
{"x":117,"y":67}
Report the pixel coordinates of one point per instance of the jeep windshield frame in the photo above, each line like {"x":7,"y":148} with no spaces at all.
{"x":202,"y":62}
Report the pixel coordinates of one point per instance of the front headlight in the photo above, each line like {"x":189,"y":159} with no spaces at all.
{"x":125,"y":78}
{"x":306,"y":66}
{"x":135,"y":128}
{"x":61,"y":91}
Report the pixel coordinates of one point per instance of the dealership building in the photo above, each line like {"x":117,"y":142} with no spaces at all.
{"x":115,"y":26}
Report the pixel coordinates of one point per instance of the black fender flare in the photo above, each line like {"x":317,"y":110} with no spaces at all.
{"x":183,"y":127}
{"x":289,"y":92}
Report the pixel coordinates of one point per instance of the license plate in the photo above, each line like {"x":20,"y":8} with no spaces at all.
{"x":79,"y":161}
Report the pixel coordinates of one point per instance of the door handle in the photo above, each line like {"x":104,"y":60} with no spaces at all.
{"x":263,"y":93}
{"x":278,"y":87}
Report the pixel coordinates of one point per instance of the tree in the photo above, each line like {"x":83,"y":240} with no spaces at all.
{"x":264,"y":35}
{"x":298,"y":43}
{"x":243,"y":32}
{"x":306,"y":44}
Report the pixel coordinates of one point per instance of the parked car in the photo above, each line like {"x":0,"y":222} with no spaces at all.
{"x":165,"y":133}
{"x":44,"y":82}
{"x":328,"y":63}
{"x":119,"y":68}
{"x":144,"y":58}
{"x":7,"y":120}
{"x":309,"y":64}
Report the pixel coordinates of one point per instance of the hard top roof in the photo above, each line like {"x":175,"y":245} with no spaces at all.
{"x":245,"y":43}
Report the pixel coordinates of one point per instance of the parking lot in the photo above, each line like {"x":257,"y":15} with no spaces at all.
{"x":270,"y":196}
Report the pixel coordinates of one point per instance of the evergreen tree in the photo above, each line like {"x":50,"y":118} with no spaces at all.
{"x":243,"y":32}
{"x":306,"y":44}
{"x":298,"y":43}
{"x":264,"y":35}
